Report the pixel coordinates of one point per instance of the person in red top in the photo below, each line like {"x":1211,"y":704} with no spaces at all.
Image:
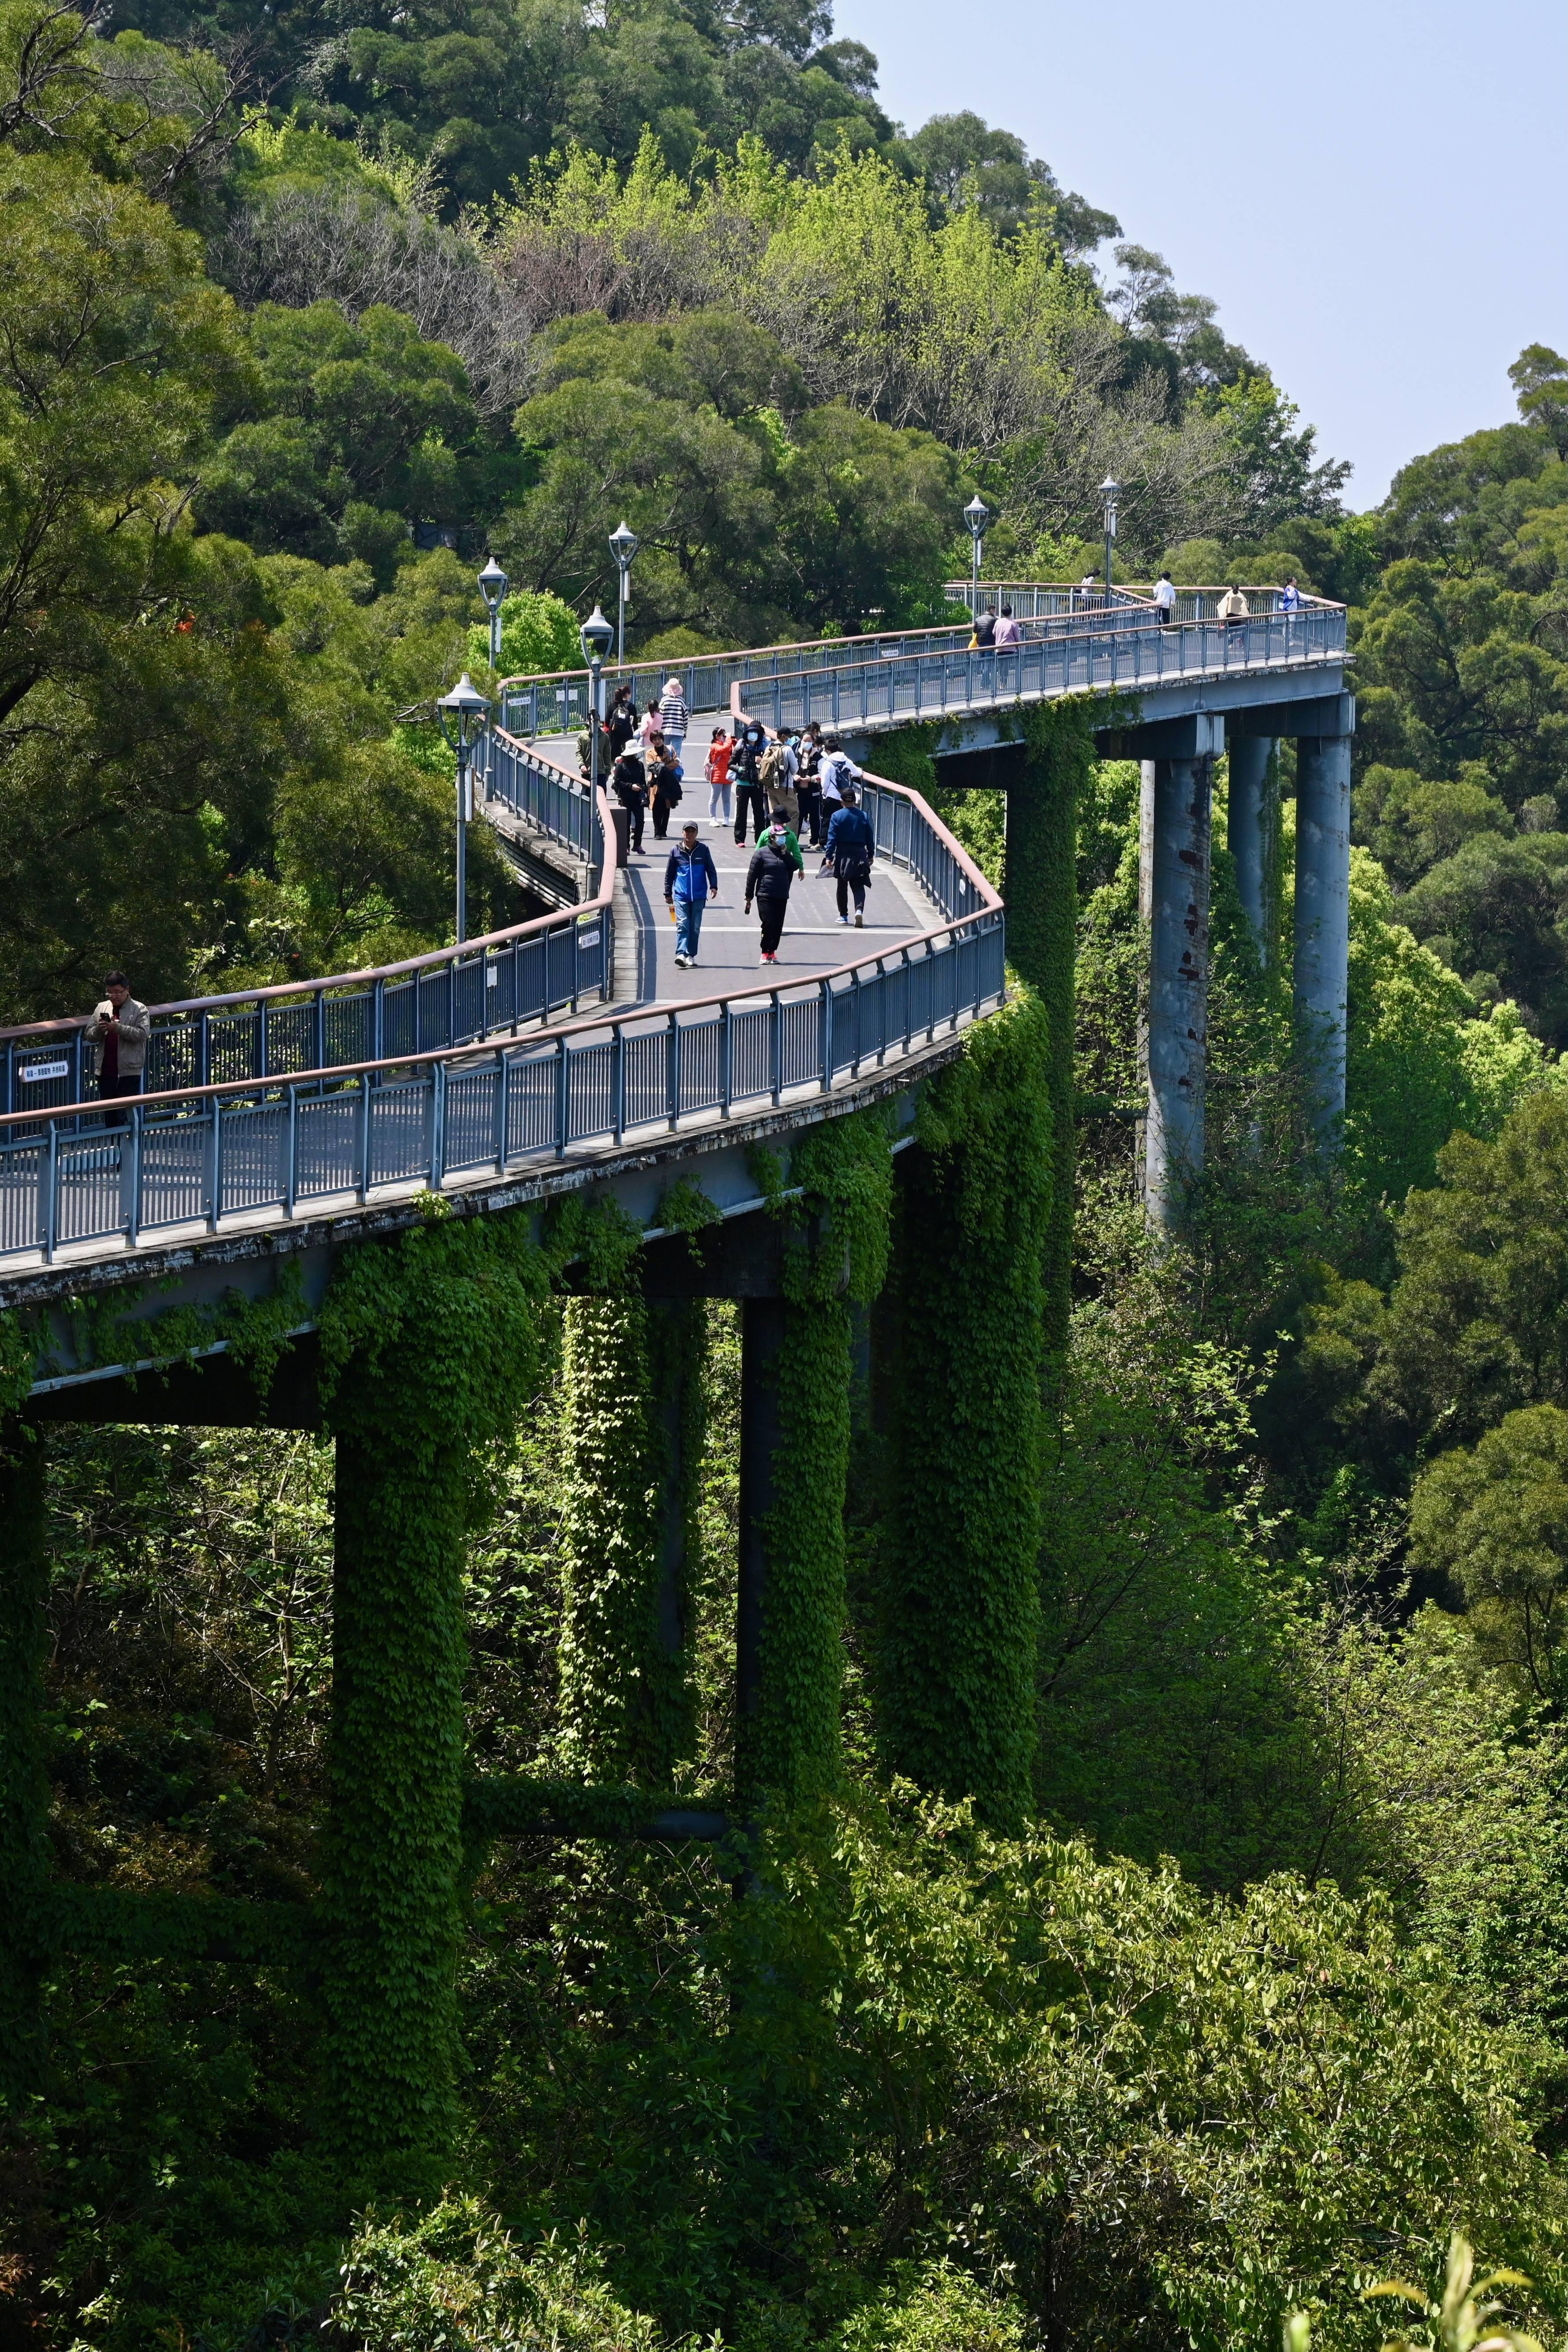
{"x":719,"y":752}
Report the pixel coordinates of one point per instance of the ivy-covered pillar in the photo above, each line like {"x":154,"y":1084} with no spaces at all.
{"x":795,"y":1380}
{"x":789,"y":1623}
{"x":23,"y":1789}
{"x":633,"y":1377}
{"x":1040,"y":887}
{"x":430,"y":1348}
{"x":956,"y":1619}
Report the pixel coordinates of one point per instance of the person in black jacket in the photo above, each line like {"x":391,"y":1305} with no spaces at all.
{"x":773,"y":868}
{"x":628,"y":782}
{"x":746,"y":774}
{"x":621,"y":724}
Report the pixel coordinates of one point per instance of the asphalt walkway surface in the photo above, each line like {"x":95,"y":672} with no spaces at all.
{"x":730,"y":949}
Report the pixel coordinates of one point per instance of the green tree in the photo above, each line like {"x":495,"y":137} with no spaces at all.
{"x":1493,"y":1519}
{"x":352,"y":430}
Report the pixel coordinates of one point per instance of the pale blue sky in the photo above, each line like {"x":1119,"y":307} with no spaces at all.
{"x":1377,"y":194}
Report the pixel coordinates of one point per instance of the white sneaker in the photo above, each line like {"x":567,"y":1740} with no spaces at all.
{"x":843,"y":918}
{"x":859,"y":922}
{"x":681,"y":961}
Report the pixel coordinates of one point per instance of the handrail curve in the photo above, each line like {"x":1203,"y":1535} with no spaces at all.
{"x":101,"y":1177}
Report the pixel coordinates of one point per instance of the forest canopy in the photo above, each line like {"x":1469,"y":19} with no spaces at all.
{"x":1266,"y":1987}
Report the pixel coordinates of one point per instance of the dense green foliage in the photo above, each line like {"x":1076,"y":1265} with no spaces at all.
{"x":1154,"y":1853}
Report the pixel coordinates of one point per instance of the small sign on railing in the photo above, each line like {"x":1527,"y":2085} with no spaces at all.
{"x":33,"y":1074}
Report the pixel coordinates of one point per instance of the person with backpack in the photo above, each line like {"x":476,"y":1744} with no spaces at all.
{"x":719,"y":752}
{"x":809,"y":782}
{"x":672,"y":714}
{"x":628,"y":783}
{"x":690,"y":878}
{"x":667,"y":790}
{"x":850,"y":851}
{"x":746,"y":768}
{"x":773,"y":868}
{"x":837,"y":771}
{"x":775,"y":772}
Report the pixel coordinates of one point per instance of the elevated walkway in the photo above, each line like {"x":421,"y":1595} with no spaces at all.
{"x":570,"y":1051}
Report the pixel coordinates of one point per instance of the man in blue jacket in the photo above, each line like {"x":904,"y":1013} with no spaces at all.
{"x":688,"y":879}
{"x":849,"y":849}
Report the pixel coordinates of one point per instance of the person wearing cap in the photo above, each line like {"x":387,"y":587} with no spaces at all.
{"x":117,"y":1036}
{"x":776,"y":861}
{"x":673,"y":715}
{"x":690,"y":878}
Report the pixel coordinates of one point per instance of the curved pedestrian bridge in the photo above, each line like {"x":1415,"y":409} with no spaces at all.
{"x":570,"y":1050}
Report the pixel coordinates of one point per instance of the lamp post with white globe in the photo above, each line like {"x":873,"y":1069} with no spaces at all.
{"x":596,"y":637}
{"x":977,"y":515}
{"x":623,"y":545}
{"x":462,"y":714}
{"x":493,"y":585}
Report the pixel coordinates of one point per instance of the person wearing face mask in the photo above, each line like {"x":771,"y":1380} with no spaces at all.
{"x":776,"y":861}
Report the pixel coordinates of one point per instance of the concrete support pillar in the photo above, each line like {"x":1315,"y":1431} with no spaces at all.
{"x":1178,"y":984}
{"x":1249,"y":829}
{"x":1322,"y":925}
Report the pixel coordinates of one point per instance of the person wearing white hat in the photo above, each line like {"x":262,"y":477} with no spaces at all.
{"x":672,"y":713}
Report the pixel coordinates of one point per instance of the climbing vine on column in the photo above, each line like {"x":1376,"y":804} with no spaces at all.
{"x":788,"y":1746}
{"x":429,"y":1348}
{"x":957,"y":1606}
{"x":1041,"y":892}
{"x":634,"y":1434}
{"x":24,"y":1791}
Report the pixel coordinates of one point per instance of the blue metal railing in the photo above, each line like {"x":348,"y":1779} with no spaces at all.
{"x":881,"y":680}
{"x":457,"y":995}
{"x":558,"y":705}
{"x":258,"y":1154}
{"x":1117,"y":651}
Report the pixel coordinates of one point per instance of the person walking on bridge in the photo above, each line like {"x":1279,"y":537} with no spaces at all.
{"x":1231,"y":608}
{"x":808,"y":782}
{"x":621,"y":720}
{"x":1009,"y":633}
{"x":673,"y":714}
{"x":745,"y":767}
{"x":117,"y":1036}
{"x":628,"y":782}
{"x":837,"y":771}
{"x":719,"y":752}
{"x":774,"y":867}
{"x":1165,"y":599}
{"x":851,"y":848}
{"x":690,"y":878}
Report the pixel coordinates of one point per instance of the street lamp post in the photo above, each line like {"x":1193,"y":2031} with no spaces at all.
{"x":977,"y":515}
{"x":1108,"y":491}
{"x":595,"y":634}
{"x":623,"y":545}
{"x":462,"y":714}
{"x":493,"y":585}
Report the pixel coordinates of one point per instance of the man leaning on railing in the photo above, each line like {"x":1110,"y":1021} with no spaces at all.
{"x":118,"y":1035}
